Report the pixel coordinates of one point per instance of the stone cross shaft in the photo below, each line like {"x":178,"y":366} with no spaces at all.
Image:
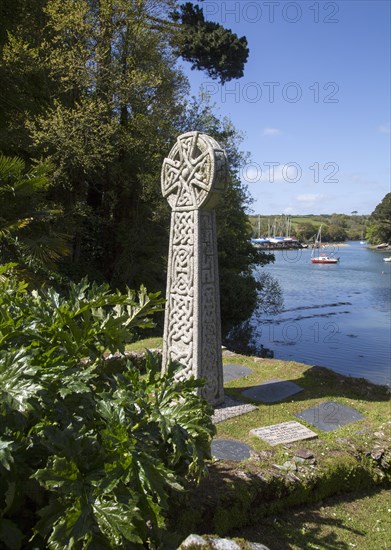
{"x":194,"y":176}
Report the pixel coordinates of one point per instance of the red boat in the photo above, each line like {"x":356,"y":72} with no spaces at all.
{"x":322,"y":258}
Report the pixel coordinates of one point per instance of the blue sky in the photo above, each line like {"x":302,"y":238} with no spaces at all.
{"x":313,"y":104}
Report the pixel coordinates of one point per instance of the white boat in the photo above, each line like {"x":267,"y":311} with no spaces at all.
{"x":387,"y":259}
{"x":321,"y":258}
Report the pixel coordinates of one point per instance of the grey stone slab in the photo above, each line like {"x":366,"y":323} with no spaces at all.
{"x":229,"y":449}
{"x":286,"y":432}
{"x":329,"y":416}
{"x":230,"y":408}
{"x":272,"y":391}
{"x":232,"y":372}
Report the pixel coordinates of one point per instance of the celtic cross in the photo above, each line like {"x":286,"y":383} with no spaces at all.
{"x":194,"y":176}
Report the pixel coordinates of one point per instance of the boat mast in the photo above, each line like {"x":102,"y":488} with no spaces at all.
{"x":318,"y":240}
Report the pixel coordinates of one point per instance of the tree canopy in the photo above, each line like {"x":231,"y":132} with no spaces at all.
{"x":93,"y":89}
{"x":209,"y":46}
{"x":29,"y":233}
{"x":379,"y":228}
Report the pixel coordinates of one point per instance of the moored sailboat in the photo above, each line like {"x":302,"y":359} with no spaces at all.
{"x":321,"y":258}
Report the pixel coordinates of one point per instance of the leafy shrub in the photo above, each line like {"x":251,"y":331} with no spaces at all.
{"x":89,"y":459}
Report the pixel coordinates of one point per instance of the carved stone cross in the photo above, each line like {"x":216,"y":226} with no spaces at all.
{"x":194,"y":176}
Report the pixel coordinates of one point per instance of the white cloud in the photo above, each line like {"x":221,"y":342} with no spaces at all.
{"x":310,"y":198}
{"x":271,"y":132}
{"x":384,"y":129}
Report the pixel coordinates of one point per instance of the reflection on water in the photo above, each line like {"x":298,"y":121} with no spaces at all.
{"x":335,"y":315}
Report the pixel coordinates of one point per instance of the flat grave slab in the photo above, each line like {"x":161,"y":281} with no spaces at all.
{"x":272,"y":391}
{"x":230,"y":408}
{"x":286,"y":432}
{"x":229,"y":449}
{"x":232,"y":372}
{"x":329,"y":416}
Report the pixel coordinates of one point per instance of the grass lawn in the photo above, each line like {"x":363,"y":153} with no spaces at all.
{"x":361,"y":521}
{"x":147,"y":343}
{"x":320,"y":385}
{"x":267,"y":490}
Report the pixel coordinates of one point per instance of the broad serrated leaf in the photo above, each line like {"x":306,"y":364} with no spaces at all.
{"x":61,"y":474}
{"x":73,"y":527}
{"x":119,"y":520}
{"x":17,"y":382}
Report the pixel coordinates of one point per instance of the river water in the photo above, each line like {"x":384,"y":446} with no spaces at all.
{"x":336,"y":316}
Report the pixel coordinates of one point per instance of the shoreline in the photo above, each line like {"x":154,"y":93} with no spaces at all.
{"x":309,"y":246}
{"x":136,"y":351}
{"x":257,"y":358}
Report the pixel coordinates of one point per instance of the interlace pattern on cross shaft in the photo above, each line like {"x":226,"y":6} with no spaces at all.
{"x":181,"y":303}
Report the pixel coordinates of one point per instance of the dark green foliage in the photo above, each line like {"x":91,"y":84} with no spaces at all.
{"x":112,"y":103}
{"x":89,"y":459}
{"x":383,"y":209}
{"x":379,"y":228}
{"x":25,"y":85}
{"x":305,"y":231}
{"x":209,"y":46}
{"x":334,"y":233}
{"x":29,"y":225}
{"x":96,"y":92}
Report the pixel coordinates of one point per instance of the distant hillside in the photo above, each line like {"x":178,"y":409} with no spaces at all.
{"x":335,"y":227}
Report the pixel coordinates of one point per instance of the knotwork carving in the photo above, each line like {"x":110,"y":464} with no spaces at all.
{"x":193,"y":178}
{"x":194,"y":172}
{"x":180,"y":298}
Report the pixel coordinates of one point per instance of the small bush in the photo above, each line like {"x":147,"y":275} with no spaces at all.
{"x":89,"y":459}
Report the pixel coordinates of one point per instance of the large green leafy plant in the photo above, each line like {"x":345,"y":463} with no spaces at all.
{"x":89,"y":459}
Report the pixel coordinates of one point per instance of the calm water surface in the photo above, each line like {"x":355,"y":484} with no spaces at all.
{"x":336,"y":316}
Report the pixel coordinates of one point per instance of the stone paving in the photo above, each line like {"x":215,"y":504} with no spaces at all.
{"x":230,"y":408}
{"x":330,"y":416}
{"x":229,"y":449}
{"x":272,"y":391}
